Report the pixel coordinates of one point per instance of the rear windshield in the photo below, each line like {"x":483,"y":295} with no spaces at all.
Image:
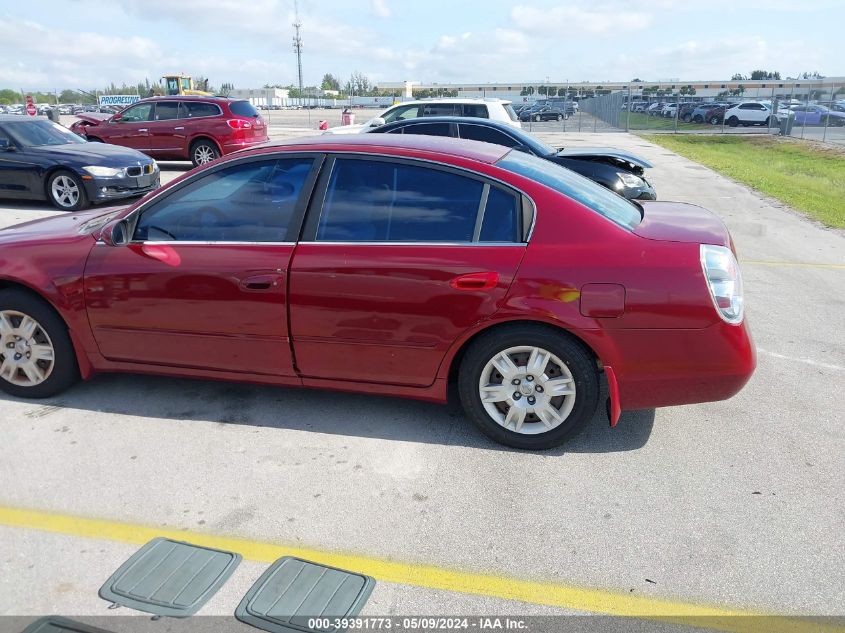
{"x":592,"y":195}
{"x":243,"y":108}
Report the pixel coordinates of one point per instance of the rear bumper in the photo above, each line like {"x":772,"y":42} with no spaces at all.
{"x":234,"y":146}
{"x":658,"y":368}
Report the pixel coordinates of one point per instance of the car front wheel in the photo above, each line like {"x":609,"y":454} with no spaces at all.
{"x":36,"y":355}
{"x":733,"y":121}
{"x":66,"y":191}
{"x":528,"y":387}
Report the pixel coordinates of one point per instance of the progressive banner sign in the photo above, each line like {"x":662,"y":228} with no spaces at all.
{"x":118,"y":100}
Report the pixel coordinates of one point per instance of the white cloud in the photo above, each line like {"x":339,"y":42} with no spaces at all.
{"x":381,"y":9}
{"x":566,"y":21}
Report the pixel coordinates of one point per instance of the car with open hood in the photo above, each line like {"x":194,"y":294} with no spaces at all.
{"x":618,"y":170}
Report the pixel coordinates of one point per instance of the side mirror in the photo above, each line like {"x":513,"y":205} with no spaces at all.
{"x":116,"y":233}
{"x":522,"y":148}
{"x":117,"y":117}
{"x":377,"y":122}
{"x":6,"y":146}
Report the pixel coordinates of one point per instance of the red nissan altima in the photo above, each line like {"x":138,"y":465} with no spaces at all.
{"x":387,"y":265}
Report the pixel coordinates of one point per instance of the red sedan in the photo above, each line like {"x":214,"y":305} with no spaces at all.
{"x":387,"y":265}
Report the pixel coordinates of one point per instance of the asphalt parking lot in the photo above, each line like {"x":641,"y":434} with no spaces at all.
{"x":734,"y":506}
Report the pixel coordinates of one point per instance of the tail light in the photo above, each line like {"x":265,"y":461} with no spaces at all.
{"x":724,"y":281}
{"x":239,"y":124}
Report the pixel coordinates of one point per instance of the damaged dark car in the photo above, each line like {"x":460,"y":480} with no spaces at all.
{"x":617,"y":170}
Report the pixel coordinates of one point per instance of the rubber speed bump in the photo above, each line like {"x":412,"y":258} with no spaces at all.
{"x":298,"y":595}
{"x":169,"y":578}
{"x":58,"y":624}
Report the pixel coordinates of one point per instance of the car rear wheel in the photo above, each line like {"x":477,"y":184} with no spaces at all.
{"x":733,"y":121}
{"x":203,"y":152}
{"x":687,"y":118}
{"x":528,"y":387}
{"x":36,"y":355}
{"x":714,"y":120}
{"x":536,"y":117}
{"x":66,"y":191}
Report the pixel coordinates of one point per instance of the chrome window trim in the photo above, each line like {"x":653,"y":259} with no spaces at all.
{"x":203,"y":243}
{"x":417,"y":244}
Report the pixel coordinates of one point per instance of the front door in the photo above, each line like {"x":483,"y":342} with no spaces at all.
{"x":400,"y":260}
{"x":203,"y":283}
{"x":18,"y":170}
{"x":131,"y":127}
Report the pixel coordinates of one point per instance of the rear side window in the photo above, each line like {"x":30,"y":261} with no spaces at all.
{"x":380,"y":201}
{"x":441,"y":109}
{"x":166,"y":110}
{"x":487,"y":135}
{"x":194,"y":109}
{"x":243,"y":108}
{"x":501,"y":217}
{"x":592,"y":195}
{"x":476,"y":110}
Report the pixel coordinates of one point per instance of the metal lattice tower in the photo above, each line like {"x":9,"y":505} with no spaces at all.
{"x":297,"y":44}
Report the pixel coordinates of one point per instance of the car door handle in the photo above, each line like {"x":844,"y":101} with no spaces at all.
{"x":181,"y":127}
{"x":143,"y":129}
{"x":475,"y":281}
{"x":259,"y":283}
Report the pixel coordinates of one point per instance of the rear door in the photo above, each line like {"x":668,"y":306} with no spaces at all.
{"x":197,"y":117}
{"x":166,"y":133}
{"x":397,"y":259}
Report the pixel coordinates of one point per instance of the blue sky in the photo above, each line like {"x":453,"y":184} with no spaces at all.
{"x":55,"y":44}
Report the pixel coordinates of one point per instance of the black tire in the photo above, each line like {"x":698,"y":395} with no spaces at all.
{"x":698,"y":119}
{"x":577,"y":359}
{"x":203,"y":148}
{"x":65,"y":371}
{"x":714,"y":120}
{"x":687,"y":118}
{"x":537,"y":117}
{"x":66,"y":202}
{"x":560,"y":117}
{"x":733,"y":121}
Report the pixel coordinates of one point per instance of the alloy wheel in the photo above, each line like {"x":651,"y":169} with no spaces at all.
{"x":203,"y":154}
{"x":27,"y":356}
{"x":65,"y":191}
{"x":527,"y":390}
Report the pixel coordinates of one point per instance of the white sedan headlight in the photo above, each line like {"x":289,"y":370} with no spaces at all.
{"x":103,"y":172}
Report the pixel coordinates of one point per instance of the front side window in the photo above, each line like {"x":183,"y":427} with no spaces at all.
{"x":590,"y":194}
{"x":428,"y":129}
{"x":382,"y":201}
{"x":402,"y":112}
{"x":249,"y":202}
{"x":140,"y":112}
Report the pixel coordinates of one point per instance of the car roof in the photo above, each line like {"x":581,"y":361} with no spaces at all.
{"x":189,"y":98}
{"x":430,"y":100}
{"x":461,"y":148}
{"x":447,"y":119}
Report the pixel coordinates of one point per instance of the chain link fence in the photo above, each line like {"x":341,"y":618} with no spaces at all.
{"x":817,"y":115}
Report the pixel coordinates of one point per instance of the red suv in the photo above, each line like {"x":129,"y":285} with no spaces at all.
{"x":200,"y":129}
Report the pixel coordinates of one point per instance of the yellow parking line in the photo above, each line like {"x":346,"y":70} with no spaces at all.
{"x":762,"y":262}
{"x":543,"y":593}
